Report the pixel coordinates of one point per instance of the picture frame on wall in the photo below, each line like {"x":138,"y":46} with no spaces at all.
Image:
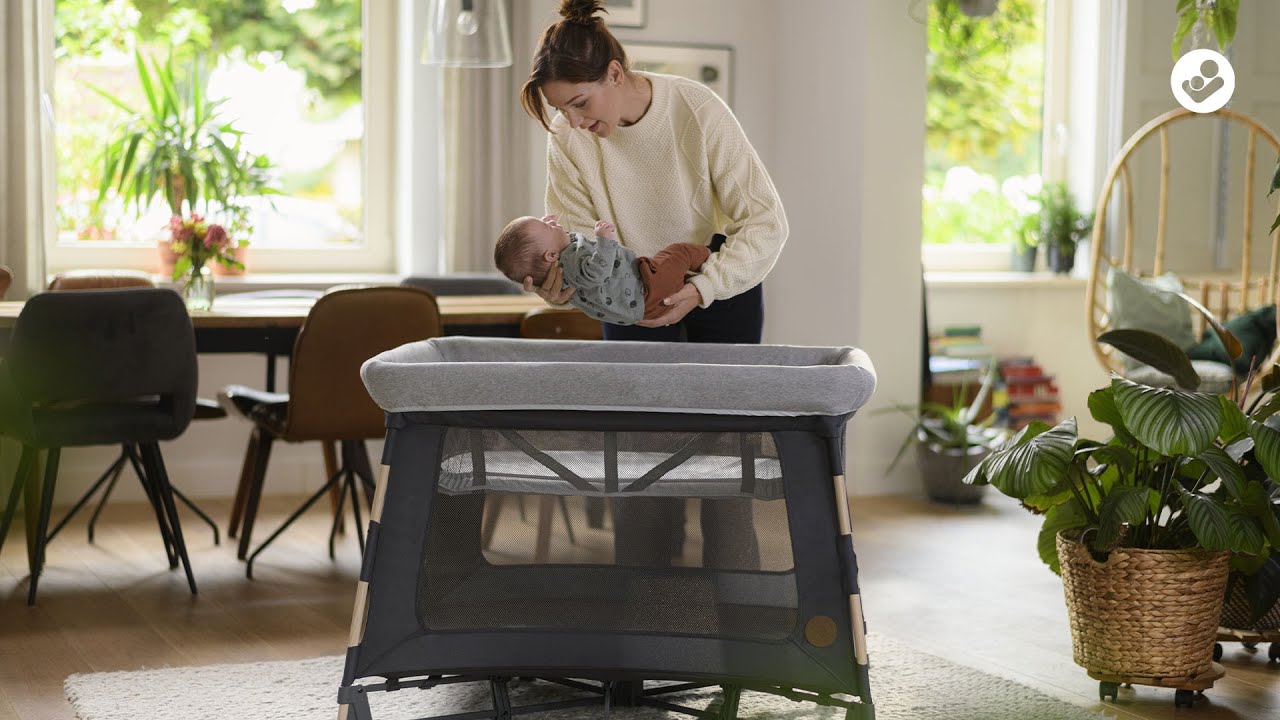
{"x":625,"y":13}
{"x":711,"y":65}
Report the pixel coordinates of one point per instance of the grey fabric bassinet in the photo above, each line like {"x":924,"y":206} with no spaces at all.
{"x":750,"y":437}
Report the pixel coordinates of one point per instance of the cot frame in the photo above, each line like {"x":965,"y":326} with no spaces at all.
{"x":415,"y":440}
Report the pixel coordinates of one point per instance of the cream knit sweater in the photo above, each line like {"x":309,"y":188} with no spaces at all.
{"x":684,"y":172}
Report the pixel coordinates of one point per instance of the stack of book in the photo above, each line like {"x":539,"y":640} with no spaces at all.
{"x":958,"y":356}
{"x":1031,"y":393}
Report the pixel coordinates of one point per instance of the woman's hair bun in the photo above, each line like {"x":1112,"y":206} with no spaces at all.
{"x":582,"y":12}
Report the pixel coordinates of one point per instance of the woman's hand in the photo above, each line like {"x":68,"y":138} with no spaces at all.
{"x":550,"y":289}
{"x":686,"y":299}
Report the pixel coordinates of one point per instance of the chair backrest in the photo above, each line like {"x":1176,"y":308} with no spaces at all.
{"x":1252,"y":279}
{"x":100,"y":346}
{"x":560,"y":324}
{"x":100,"y":280}
{"x":464,"y":284}
{"x":346,"y":327}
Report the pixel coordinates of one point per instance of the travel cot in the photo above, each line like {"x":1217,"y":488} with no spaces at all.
{"x":746,"y":441}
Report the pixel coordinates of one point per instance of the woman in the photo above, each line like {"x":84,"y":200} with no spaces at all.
{"x":665,"y":160}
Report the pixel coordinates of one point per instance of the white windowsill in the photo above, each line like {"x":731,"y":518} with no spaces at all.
{"x":228,"y":284}
{"x":1001,"y":280}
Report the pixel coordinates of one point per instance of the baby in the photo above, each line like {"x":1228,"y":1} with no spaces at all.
{"x":612,"y":283}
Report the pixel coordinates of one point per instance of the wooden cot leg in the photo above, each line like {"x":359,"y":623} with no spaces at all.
{"x":855,"y":601}
{"x":360,"y":612}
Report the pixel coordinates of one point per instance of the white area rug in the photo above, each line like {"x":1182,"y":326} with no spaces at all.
{"x":905,"y":684}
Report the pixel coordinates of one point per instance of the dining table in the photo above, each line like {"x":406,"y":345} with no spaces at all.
{"x":269,"y":326}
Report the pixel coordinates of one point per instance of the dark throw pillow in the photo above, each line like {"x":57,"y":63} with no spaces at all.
{"x":1256,"y":331}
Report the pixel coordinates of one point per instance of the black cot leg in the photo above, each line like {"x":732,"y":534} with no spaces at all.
{"x":501,"y":698}
{"x":729,"y":708}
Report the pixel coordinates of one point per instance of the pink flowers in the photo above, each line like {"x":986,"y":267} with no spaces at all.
{"x":216,"y":237}
{"x":196,"y":242}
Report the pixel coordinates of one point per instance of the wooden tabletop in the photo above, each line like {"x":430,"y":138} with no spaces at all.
{"x":289,"y":312}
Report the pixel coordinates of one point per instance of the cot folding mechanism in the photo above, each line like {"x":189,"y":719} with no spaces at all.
{"x":726,"y":558}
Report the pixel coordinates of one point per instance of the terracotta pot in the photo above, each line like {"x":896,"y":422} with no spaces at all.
{"x":241,"y":254}
{"x":167,"y":257}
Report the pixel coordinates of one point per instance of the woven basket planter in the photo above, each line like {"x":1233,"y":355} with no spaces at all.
{"x":1236,"y":613}
{"x":1144,"y":613}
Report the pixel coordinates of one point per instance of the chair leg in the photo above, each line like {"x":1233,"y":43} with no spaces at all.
{"x":154,"y":463}
{"x":356,"y":456}
{"x":199,"y":513}
{"x":546,"y":511}
{"x":337,"y":512}
{"x":493,"y":512}
{"x":115,"y":477}
{"x":246,"y":479}
{"x":568,"y":524}
{"x":42,"y":525}
{"x":19,"y":480}
{"x":148,"y":484}
{"x":364,"y":470}
{"x":330,"y":451}
{"x":253,"y":494}
{"x":111,"y":474}
{"x":284,"y":526}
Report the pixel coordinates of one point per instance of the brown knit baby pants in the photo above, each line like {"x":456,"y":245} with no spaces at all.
{"x":663,"y":274}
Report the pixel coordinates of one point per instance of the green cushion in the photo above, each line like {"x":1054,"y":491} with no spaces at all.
{"x":1150,"y":304}
{"x":1256,"y":331}
{"x":1215,"y":377}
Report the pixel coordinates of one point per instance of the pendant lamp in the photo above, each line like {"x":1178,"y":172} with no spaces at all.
{"x":467,"y":34}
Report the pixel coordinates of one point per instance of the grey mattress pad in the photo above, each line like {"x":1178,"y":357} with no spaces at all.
{"x":469,"y":373}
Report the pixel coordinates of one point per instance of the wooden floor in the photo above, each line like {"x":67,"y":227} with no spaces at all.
{"x":963,"y":584}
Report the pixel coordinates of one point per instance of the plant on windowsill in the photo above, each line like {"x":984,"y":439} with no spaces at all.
{"x":1058,"y":226}
{"x":950,"y":440}
{"x":1219,"y":16}
{"x":180,"y":147}
{"x":1141,"y":527}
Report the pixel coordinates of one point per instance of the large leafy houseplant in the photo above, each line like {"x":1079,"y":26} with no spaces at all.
{"x":179,"y":146}
{"x":1183,"y":469}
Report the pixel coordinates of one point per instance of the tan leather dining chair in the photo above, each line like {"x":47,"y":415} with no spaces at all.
{"x":326,"y":399}
{"x":206,"y":409}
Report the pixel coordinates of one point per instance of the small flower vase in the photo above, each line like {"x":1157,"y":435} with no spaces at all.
{"x":197,"y":289}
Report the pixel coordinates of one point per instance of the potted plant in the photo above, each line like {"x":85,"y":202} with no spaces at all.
{"x":950,"y":440}
{"x":179,"y":146}
{"x":1058,"y":226}
{"x":1141,"y":526}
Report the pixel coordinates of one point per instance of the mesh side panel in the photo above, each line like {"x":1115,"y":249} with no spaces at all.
{"x":538,"y":530}
{"x":676,"y":464}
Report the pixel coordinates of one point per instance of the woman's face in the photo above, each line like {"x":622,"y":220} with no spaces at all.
{"x":592,"y":106}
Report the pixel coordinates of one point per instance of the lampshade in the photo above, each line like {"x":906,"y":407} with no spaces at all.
{"x":467,"y":33}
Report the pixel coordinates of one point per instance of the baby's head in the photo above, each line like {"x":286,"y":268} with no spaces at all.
{"x":528,"y":246}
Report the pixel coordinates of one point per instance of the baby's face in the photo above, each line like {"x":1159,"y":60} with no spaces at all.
{"x":547,"y":234}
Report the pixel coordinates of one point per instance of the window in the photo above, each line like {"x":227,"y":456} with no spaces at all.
{"x":985,"y":105}
{"x":295,"y":86}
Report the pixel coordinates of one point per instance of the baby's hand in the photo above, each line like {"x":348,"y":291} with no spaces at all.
{"x":604,"y":229}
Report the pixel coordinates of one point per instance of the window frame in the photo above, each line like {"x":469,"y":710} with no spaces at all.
{"x":377,"y":254}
